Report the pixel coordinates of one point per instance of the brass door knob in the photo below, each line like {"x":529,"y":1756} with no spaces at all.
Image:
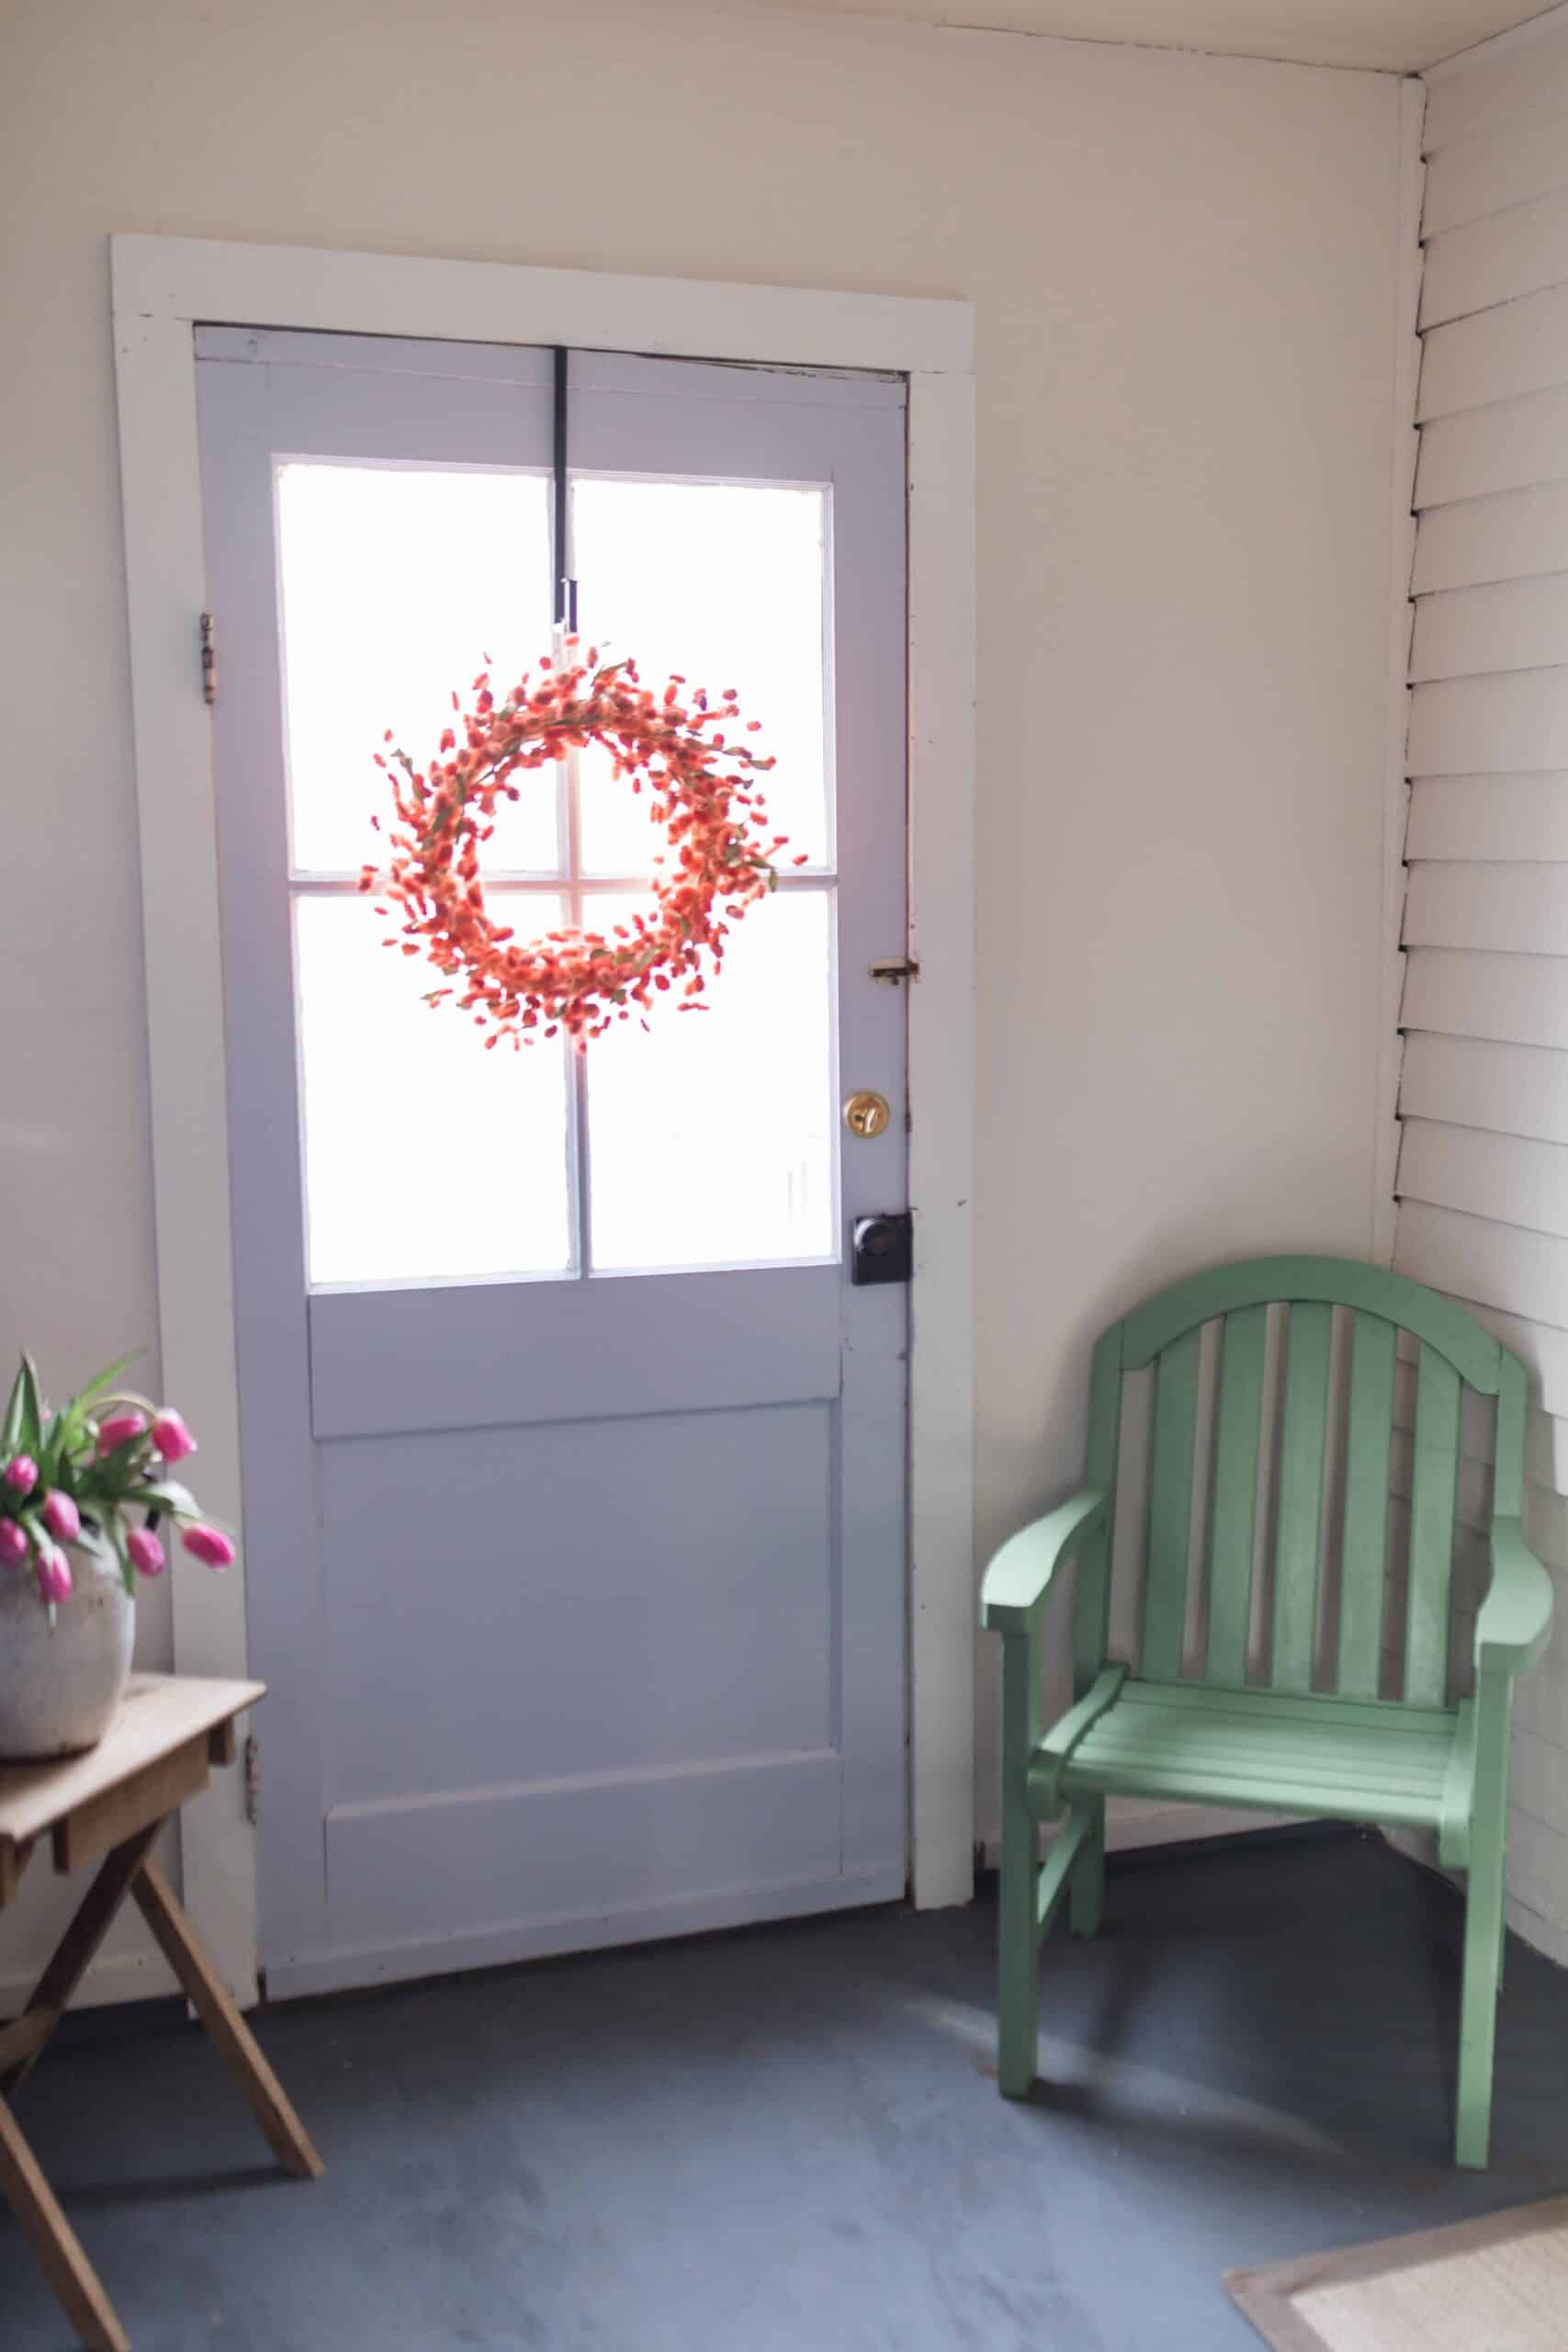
{"x":867,"y":1115}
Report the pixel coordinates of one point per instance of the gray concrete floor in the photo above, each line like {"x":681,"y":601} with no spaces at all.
{"x":788,"y":2140}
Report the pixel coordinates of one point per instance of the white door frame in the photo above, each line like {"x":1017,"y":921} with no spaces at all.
{"x":164,"y":286}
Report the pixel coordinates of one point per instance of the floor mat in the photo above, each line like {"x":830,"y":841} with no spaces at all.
{"x":1499,"y":2284}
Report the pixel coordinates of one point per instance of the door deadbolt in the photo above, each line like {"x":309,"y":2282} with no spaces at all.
{"x":882,"y":1249}
{"x":867,"y":1114}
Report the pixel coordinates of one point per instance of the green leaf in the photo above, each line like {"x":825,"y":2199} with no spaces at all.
{"x":64,"y":1431}
{"x":65,"y":1436}
{"x":109,"y":1477}
{"x":167,"y":1494}
{"x":30,"y":1432}
{"x":101,"y":1380}
{"x":93,"y":1540}
{"x":49,"y":1453}
{"x":115,"y":1526}
{"x":11,"y":1430}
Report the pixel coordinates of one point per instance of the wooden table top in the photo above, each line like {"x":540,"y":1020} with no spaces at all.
{"x":160,"y":1713}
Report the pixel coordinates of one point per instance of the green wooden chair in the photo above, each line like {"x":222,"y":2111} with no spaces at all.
{"x":1214,"y":1734}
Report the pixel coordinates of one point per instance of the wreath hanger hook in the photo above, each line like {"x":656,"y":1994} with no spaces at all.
{"x":564,"y":585}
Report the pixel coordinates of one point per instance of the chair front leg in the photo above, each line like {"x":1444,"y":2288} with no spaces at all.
{"x":1478,"y":2010}
{"x":1018,"y":1934}
{"x":1484,"y":1922}
{"x":1086,"y":1899}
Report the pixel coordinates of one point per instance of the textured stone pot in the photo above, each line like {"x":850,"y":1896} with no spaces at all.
{"x":60,"y":1684}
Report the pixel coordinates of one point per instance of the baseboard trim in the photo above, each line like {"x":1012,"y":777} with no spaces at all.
{"x":112,"y":1978}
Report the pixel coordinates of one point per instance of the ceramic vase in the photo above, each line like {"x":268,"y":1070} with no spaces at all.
{"x":61,"y":1683}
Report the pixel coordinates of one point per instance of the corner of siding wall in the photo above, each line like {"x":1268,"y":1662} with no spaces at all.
{"x":1403,"y":450}
{"x":1477,"y":1200}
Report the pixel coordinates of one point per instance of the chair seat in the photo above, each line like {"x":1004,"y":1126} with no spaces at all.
{"x":1350,"y":1759}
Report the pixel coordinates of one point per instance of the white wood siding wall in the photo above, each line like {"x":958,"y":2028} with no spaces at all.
{"x":1483,"y":1171}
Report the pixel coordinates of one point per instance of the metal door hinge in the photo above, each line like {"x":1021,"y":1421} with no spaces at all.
{"x":208,"y":659}
{"x":253,"y":1782}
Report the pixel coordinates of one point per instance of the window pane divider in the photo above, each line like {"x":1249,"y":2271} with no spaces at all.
{"x":580,"y":1174}
{"x":328,"y":884}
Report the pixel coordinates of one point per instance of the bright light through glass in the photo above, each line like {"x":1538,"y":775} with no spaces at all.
{"x":397,"y":581}
{"x":426,"y":1157}
{"x":712,"y":1139}
{"x":711,"y":1134}
{"x":723,"y":583}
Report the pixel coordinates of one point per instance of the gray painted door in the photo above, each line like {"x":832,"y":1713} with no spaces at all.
{"x":574,"y":1464}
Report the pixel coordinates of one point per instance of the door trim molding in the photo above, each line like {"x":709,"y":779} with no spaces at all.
{"x":163,"y":288}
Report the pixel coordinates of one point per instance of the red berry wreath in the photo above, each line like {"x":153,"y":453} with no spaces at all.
{"x":579,"y":981}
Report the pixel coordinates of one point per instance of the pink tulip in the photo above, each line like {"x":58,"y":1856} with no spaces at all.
{"x":61,"y":1516}
{"x":145,"y":1551}
{"x":171,"y":1437}
{"x":54,"y":1575}
{"x":21,"y":1473}
{"x":118,"y":1429}
{"x":13,"y":1544}
{"x":210,"y":1545}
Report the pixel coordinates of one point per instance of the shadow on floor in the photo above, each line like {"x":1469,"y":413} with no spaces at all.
{"x":789,"y":2140}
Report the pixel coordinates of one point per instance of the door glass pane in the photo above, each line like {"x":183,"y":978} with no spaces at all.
{"x":724,"y":584}
{"x":711,"y":1135}
{"x":396,"y":583}
{"x":426,"y":1157}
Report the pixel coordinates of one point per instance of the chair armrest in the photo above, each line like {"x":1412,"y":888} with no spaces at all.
{"x":1515,"y":1620}
{"x":1020,"y":1573}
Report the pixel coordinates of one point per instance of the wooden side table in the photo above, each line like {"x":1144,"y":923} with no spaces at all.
{"x":112,"y":1802}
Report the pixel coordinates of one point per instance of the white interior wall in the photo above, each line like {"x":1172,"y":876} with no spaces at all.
{"x":1483,"y":1179}
{"x":1184,"y":271}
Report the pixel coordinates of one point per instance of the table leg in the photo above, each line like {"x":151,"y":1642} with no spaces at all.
{"x":74,"y":1954}
{"x":210,"y":1998}
{"x":56,"y":2243}
{"x":129,"y":1870}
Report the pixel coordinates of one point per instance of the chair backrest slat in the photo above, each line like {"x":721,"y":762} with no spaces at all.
{"x":1369,"y":1442}
{"x":1507,"y":1485}
{"x":1235,"y":1492}
{"x":1299,"y":1513}
{"x":1170,"y":1508}
{"x":1431,"y":1530}
{"x":1304,"y":1429}
{"x":1091,"y":1585}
